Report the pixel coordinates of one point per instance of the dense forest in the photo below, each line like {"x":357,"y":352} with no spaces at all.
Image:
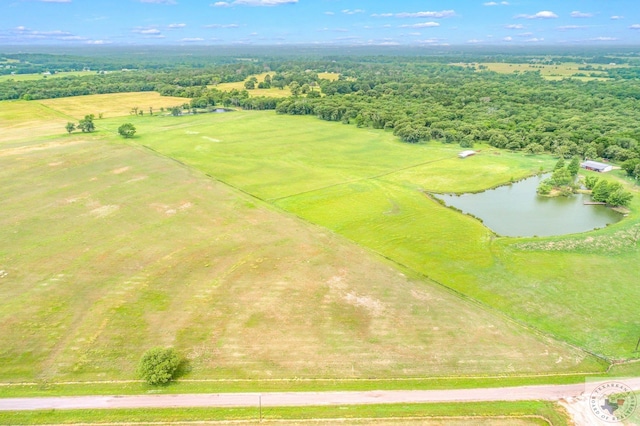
{"x":419,"y":98}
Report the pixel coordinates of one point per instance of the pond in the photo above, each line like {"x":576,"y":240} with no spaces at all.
{"x":516,"y":210}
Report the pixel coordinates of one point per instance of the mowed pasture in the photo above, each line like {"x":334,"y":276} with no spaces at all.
{"x":369,"y":187}
{"x":110,"y":249}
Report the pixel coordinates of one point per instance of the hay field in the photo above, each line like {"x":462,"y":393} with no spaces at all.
{"x":367,"y":186}
{"x":109,"y":249}
{"x":112,"y":104}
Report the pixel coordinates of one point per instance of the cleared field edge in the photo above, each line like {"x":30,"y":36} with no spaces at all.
{"x":532,"y":412}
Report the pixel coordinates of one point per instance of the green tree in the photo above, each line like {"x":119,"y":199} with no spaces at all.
{"x":86,"y":124}
{"x":630,"y":165}
{"x":249,"y":85}
{"x":559,"y":165}
{"x":158,"y":365}
{"x":176,"y":111}
{"x":127,"y":130}
{"x":574,"y":166}
{"x":619,"y":198}
{"x":70,"y":127}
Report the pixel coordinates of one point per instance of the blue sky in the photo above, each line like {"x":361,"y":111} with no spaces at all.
{"x":335,"y":22}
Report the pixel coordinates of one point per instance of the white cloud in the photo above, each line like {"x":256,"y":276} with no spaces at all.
{"x":329,"y":13}
{"x":635,"y":27}
{"x":490,"y":3}
{"x":222,"y":26}
{"x":254,"y":3}
{"x":577,"y":14}
{"x":436,"y":15}
{"x":507,"y":39}
{"x":421,"y":25}
{"x":474,"y":41}
{"x":572,"y":27}
{"x":147,"y":31}
{"x":158,"y":1}
{"x":352,"y":12}
{"x":545,"y":14}
{"x":98,"y":42}
{"x":176,"y":26}
{"x":56,"y":1}
{"x":504,"y":3}
{"x":534,"y":40}
{"x":514,"y":26}
{"x":191,"y":39}
{"x":603,"y":39}
{"x":382,"y":15}
{"x":616,"y":17}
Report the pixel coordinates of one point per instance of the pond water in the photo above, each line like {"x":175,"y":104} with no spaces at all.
{"x":516,"y":210}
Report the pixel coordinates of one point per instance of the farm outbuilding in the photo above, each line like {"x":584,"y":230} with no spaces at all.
{"x":465,"y":154}
{"x":596,"y":166}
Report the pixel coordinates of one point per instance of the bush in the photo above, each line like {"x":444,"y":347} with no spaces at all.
{"x":159,"y":365}
{"x":127,"y":130}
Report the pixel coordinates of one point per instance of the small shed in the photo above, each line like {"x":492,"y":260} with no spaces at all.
{"x":596,"y":166}
{"x":465,"y":154}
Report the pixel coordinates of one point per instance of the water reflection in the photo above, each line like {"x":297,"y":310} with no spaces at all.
{"x":518,"y":211}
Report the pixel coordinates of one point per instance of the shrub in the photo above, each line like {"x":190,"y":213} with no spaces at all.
{"x":158,"y":365}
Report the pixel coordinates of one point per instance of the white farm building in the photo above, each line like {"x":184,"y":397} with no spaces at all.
{"x":596,"y":167}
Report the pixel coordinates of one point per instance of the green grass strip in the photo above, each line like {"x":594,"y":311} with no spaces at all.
{"x":544,"y":410}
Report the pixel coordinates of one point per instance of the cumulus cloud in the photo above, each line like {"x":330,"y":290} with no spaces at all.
{"x":352,"y":12}
{"x":253,"y":3}
{"x":507,"y":39}
{"x":545,"y":14}
{"x":572,"y":27}
{"x":56,"y":1}
{"x":603,"y":39}
{"x":514,"y":26}
{"x":329,"y":13}
{"x":176,"y":26}
{"x":578,"y":14}
{"x":635,"y":27}
{"x":616,"y":17}
{"x":191,"y":39}
{"x":222,"y":26}
{"x":158,"y":1}
{"x":493,"y":3}
{"x":426,"y":14}
{"x":147,"y":31}
{"x":421,"y":25}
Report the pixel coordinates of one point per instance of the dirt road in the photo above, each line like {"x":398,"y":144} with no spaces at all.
{"x":272,"y":399}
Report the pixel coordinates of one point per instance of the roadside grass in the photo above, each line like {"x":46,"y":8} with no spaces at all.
{"x":343,"y":178}
{"x":109,"y":249}
{"x":495,"y":413}
{"x":188,"y":386}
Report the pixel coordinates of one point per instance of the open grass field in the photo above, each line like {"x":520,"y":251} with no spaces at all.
{"x":25,"y":121}
{"x":30,"y":77}
{"x":109,"y":249}
{"x":113,"y":104}
{"x":273,"y":92}
{"x":551,"y":72}
{"x":367,"y":186}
